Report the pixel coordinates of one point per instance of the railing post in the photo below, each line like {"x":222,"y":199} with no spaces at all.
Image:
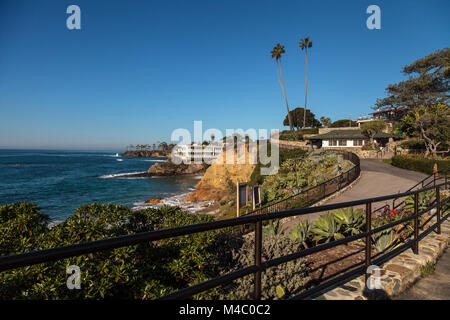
{"x":416,"y":224}
{"x":368,"y":237}
{"x":258,"y":249}
{"x":438,"y":210}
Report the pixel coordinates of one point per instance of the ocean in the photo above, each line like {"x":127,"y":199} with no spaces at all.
{"x":61,"y":181}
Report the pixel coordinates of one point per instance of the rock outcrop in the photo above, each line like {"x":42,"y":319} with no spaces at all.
{"x":216,"y":183}
{"x":145,"y":154}
{"x":153,"y":200}
{"x":169,"y":168}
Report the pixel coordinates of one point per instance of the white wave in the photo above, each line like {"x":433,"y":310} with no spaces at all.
{"x":175,"y":201}
{"x":154,"y":160}
{"x":119,"y":160}
{"x":115,"y":175}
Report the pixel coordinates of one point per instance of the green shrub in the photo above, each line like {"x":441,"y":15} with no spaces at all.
{"x":292,"y":154}
{"x":292,"y":277}
{"x":343,"y":123}
{"x":297,"y":135}
{"x":420,"y":164}
{"x":143,"y":271}
{"x":369,"y":146}
{"x":21,"y":225}
{"x":415,"y":144}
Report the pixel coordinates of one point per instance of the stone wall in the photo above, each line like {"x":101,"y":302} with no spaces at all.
{"x":397,"y":274}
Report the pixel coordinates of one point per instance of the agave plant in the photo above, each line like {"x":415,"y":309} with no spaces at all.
{"x":273,"y":229}
{"x":301,"y":232}
{"x":352,"y":221}
{"x":385,"y":240}
{"x":326,"y":228}
{"x":424,"y":201}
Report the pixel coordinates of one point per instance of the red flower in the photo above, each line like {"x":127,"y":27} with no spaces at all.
{"x":393,"y":213}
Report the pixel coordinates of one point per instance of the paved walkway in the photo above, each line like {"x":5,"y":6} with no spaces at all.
{"x":377,"y":179}
{"x":434,"y":287}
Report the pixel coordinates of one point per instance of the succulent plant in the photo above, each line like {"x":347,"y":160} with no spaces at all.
{"x":424,"y":201}
{"x":279,"y":282}
{"x":273,"y":229}
{"x":301,"y":232}
{"x":385,"y":240}
{"x":327,"y":228}
{"x":352,"y":221}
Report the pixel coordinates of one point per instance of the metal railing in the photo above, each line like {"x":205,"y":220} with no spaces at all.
{"x":432,"y":179}
{"x":320,"y":191}
{"x":26,"y":259}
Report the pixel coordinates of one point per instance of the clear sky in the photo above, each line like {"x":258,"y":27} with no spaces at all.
{"x":137,"y":70}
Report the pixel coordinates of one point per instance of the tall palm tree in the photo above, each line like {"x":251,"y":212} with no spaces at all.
{"x":277,"y":51}
{"x":304,"y":45}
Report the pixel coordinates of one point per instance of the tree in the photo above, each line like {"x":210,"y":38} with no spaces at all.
{"x":429,"y":123}
{"x":304,"y":45}
{"x":163,"y":146}
{"x":343,"y":123}
{"x":276,"y":53}
{"x":428,"y":83}
{"x":298,"y":120}
{"x":325,"y":121}
{"x":371,"y":128}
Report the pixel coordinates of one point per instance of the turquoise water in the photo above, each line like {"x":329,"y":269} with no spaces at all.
{"x":60,"y":181}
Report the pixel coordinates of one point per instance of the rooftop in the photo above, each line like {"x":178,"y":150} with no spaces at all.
{"x":347,"y":134}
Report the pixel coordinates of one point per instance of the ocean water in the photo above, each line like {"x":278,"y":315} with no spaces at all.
{"x":61,"y":181}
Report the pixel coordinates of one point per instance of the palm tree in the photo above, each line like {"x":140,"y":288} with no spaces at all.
{"x":277,"y":51}
{"x":304,"y":45}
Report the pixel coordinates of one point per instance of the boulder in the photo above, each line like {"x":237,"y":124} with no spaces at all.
{"x":153,"y":200}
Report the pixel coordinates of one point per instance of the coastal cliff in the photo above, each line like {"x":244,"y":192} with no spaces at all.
{"x":219,"y":179}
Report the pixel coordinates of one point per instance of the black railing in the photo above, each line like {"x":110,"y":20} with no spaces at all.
{"x":26,"y":259}
{"x":318,"y":192}
{"x":432,"y":179}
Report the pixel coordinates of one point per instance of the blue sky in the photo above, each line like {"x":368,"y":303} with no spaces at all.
{"x":137,"y":70}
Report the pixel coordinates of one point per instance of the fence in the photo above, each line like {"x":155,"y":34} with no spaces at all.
{"x":31,"y":258}
{"x":320,"y":191}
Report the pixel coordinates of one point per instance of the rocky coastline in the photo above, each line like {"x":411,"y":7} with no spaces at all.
{"x":145,"y":154}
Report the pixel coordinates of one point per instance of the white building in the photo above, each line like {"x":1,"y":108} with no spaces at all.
{"x":197,"y":152}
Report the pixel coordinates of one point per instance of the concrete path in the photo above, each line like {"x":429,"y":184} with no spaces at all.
{"x":434,"y":287}
{"x":377,"y":179}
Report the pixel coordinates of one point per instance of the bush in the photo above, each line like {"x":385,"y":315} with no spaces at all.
{"x":291,"y":277}
{"x":420,"y":164}
{"x":344,"y":123}
{"x":144,"y":271}
{"x":297,"y":135}
{"x":369,"y":146}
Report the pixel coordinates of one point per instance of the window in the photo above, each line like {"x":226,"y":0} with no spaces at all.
{"x":357,"y":142}
{"x":342,"y":143}
{"x":332,"y":143}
